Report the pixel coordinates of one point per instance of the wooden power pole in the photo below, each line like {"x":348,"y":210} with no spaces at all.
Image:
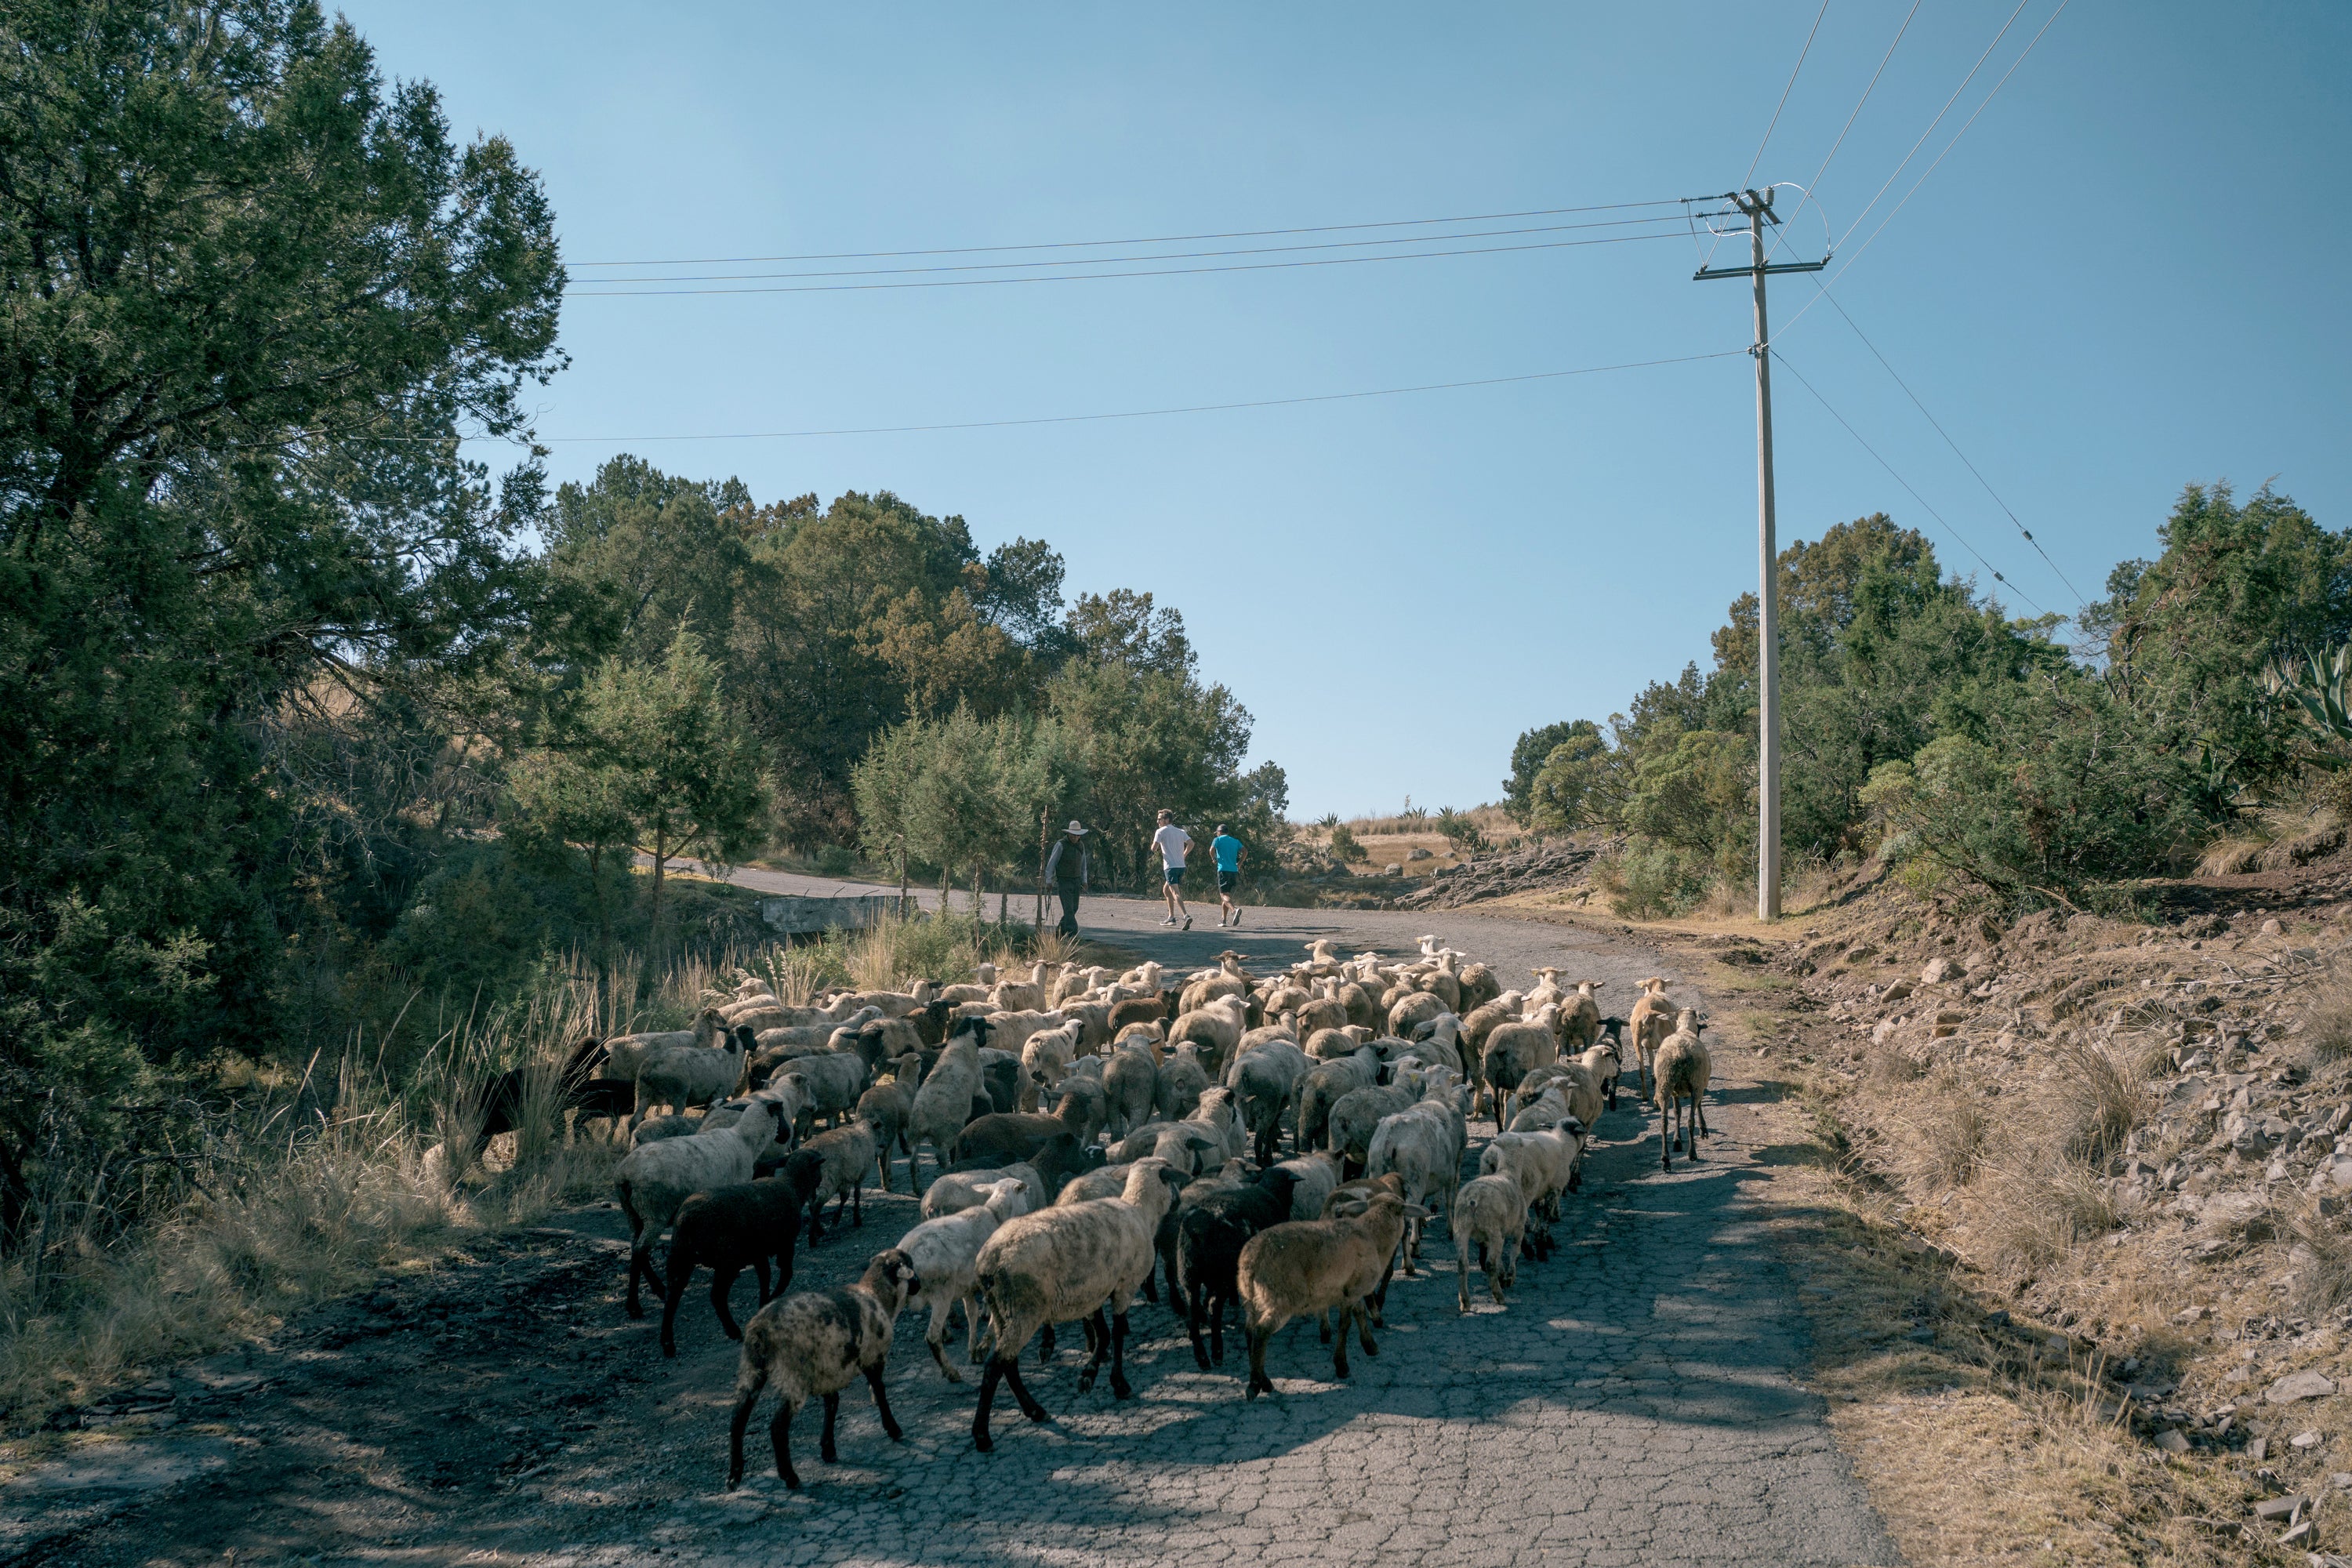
{"x":1758,"y":207}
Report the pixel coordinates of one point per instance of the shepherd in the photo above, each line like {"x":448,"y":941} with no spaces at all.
{"x":1066,"y":867}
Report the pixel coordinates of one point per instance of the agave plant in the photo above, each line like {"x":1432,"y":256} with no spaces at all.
{"x":2318,"y":691}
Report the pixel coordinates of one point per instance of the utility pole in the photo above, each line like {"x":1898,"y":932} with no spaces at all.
{"x":1757,"y":205}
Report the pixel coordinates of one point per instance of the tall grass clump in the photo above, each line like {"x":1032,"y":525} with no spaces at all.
{"x":2327,"y":1018}
{"x":213,"y":1216}
{"x":945,"y":947}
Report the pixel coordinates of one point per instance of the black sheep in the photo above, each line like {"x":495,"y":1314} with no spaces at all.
{"x":503,"y":1096}
{"x":1210,"y":1233}
{"x":727,"y":1231}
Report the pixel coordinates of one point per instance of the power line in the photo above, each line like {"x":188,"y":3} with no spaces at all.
{"x":1955,"y":141}
{"x":1096,"y":276}
{"x":1143,"y":240}
{"x":1866,"y":91}
{"x":1914,"y":152}
{"x":1124,"y":414}
{"x":1955,"y":445}
{"x":1777,"y":107}
{"x":1899,"y":480}
{"x":1122,"y":260}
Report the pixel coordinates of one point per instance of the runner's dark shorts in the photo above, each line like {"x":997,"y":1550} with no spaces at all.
{"x":1228,"y":880}
{"x":1175,"y":875}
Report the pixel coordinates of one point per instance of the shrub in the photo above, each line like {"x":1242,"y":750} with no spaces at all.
{"x":1650,"y":880}
{"x":1344,"y":847}
{"x":2071,"y":789}
{"x":1460,"y":831}
{"x":836,"y":860}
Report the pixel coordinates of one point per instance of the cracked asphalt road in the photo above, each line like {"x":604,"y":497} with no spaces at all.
{"x":1636,"y":1402}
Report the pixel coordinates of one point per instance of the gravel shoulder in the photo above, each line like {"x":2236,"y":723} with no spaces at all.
{"x":1638,"y":1401}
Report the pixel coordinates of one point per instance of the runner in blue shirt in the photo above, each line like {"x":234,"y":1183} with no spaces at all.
{"x":1228,"y":851}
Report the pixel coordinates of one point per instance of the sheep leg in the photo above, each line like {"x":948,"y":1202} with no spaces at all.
{"x":1119,"y":1387}
{"x":825,"y":1448}
{"x":856,"y":1201}
{"x":673,"y":1290}
{"x":1194,"y":1310}
{"x":1029,"y":1406}
{"x":1323,"y":1326}
{"x":1364,"y":1332}
{"x":1217,"y":1329}
{"x":882,"y":1163}
{"x":743,"y":1402}
{"x":1694,"y":1126}
{"x":890,"y":1427}
{"x":722,"y":1283}
{"x":1259,"y":1333}
{"x":1665,"y":1136}
{"x":988,"y":1382}
{"x":1462,"y":1277}
{"x":1045,"y":1346}
{"x":779,"y":1436}
{"x":1698,"y":1109}
{"x":972,"y":1332}
{"x":938,"y":1338}
{"x":1097,"y":1347}
{"x":759,"y":1267}
{"x":1339,"y":1341}
{"x":640,"y":1250}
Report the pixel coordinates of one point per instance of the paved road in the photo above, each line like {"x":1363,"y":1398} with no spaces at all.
{"x":1634,"y":1404}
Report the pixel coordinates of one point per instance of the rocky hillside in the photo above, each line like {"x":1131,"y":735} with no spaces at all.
{"x":2136,"y":1136}
{"x":1536,"y":868}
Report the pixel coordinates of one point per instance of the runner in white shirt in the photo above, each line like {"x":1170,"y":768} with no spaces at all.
{"x":1172,"y":841}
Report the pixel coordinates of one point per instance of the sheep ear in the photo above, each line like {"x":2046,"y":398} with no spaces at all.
{"x":1414,"y":1211}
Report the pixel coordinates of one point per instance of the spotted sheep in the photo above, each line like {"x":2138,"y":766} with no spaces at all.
{"x":1069,"y":1262}
{"x":809,"y":1345}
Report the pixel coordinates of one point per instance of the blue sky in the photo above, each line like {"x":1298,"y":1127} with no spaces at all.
{"x":2118,"y":282}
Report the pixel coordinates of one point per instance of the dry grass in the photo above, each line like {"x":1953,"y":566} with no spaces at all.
{"x":1945,"y":1131}
{"x":2276,"y":838}
{"x":2327,"y":1018}
{"x":2034,"y":1205}
{"x":2099,"y":1096}
{"x":292,"y":1194}
{"x":1980,"y":1442}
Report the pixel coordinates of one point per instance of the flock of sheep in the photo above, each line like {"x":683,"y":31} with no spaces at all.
{"x":1171,"y":1101}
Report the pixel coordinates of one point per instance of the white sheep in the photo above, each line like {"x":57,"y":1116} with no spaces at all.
{"x":685,"y":1076}
{"x":1490,"y":1213}
{"x":944,"y":1251}
{"x":1130,"y":1082}
{"x":943,"y":1100}
{"x":1183,"y":1077}
{"x":956,"y":1191}
{"x":1318,"y":1177}
{"x":623,"y":1054}
{"x":1046,"y":1056}
{"x":1423,"y":1143}
{"x":1684,"y":1068}
{"x":652,"y":1181}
